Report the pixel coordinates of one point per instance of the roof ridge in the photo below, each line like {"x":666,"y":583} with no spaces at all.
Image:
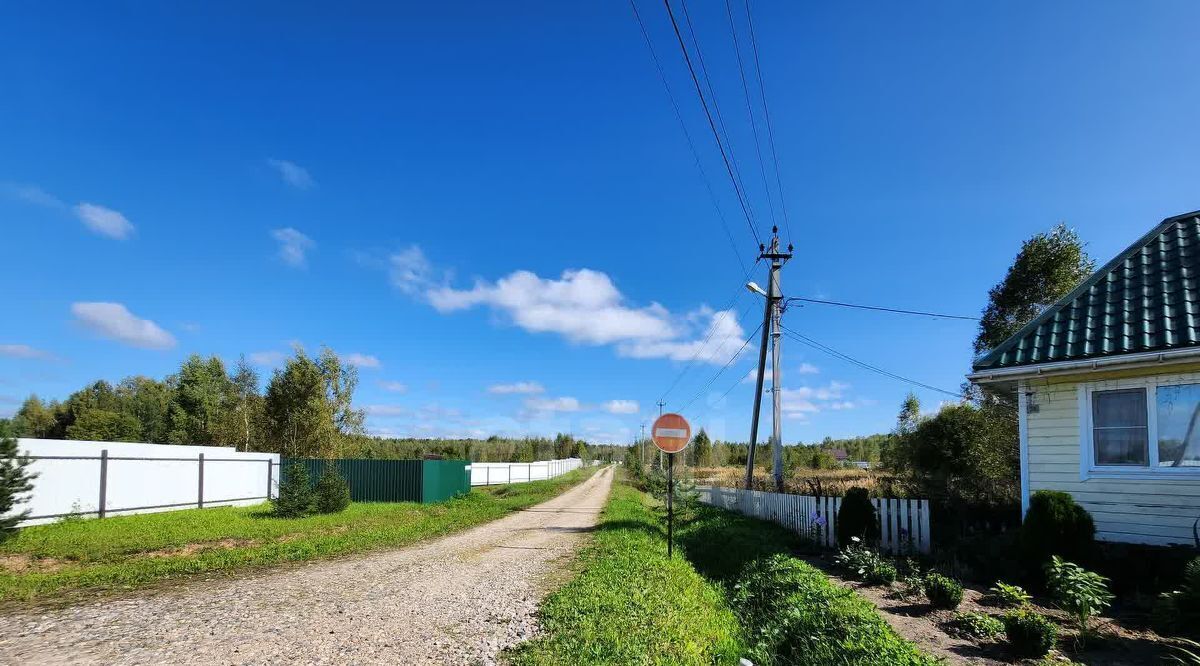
{"x":988,"y":358}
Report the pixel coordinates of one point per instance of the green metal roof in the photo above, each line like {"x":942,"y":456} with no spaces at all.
{"x":1146,"y":299}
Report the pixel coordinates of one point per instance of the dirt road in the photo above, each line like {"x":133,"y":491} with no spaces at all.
{"x":457,"y":600}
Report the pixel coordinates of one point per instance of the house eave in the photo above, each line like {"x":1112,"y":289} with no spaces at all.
{"x":1142,"y":359}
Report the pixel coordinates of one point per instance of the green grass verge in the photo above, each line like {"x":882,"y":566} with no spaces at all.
{"x":125,"y":552}
{"x":630,"y":604}
{"x":736,"y":592}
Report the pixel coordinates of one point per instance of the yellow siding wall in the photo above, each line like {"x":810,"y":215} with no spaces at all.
{"x":1155,"y":511}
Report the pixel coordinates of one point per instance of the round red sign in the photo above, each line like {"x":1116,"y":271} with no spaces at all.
{"x":671,"y":433}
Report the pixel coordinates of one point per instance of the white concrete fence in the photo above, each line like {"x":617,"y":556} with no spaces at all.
{"x":495,"y":473}
{"x":117,"y":478}
{"x":904,"y":523}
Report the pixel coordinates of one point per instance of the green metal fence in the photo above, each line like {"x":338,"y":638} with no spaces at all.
{"x":393,"y":480}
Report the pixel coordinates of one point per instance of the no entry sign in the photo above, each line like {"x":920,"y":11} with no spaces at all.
{"x":671,"y":433}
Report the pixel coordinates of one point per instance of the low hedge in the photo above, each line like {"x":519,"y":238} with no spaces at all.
{"x":793,"y":614}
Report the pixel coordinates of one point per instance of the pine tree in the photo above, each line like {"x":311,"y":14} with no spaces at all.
{"x":333,"y":493}
{"x":15,"y":482}
{"x":295,"y":496}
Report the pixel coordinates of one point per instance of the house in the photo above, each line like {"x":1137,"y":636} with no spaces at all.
{"x":1108,"y":390}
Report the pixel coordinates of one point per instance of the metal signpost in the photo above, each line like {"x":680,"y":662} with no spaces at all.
{"x":671,"y":434}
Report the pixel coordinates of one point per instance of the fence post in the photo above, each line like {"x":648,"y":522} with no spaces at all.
{"x":270,"y":475}
{"x":510,"y":473}
{"x":103,"y":481}
{"x":200,"y":494}
{"x":488,"y":481}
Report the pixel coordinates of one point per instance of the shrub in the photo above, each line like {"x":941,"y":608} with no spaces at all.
{"x":295,"y":496}
{"x":1029,"y":635}
{"x":1009,"y":596}
{"x":883,"y":573}
{"x":976,"y":625}
{"x":333,"y":492}
{"x":15,"y":483}
{"x":857,"y":560}
{"x":857,"y":517}
{"x":943,"y":591}
{"x":1178,"y":612}
{"x":1056,"y":525}
{"x":1080,"y":592}
{"x":794,"y":614}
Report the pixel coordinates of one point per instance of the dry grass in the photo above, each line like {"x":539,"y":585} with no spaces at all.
{"x":823,"y":482}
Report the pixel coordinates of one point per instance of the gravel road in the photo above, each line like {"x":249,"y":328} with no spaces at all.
{"x":457,"y":600}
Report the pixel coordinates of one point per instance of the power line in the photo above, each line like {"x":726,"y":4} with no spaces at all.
{"x":712,"y":330}
{"x":762,"y":91}
{"x":716,"y":104}
{"x":938,"y":315}
{"x":711,"y":124}
{"x":803,"y":339}
{"x":762,"y":169}
{"x":723,"y":368}
{"x":712,"y":195}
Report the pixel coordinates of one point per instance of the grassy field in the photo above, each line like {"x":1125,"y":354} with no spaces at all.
{"x":735,"y":592}
{"x":800,"y":481}
{"x":86,"y":556}
{"x":629,"y":604}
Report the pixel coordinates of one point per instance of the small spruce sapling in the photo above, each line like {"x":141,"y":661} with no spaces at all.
{"x":295,"y":494}
{"x":15,"y":483}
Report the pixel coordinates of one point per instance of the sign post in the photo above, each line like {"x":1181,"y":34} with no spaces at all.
{"x":671,"y":434}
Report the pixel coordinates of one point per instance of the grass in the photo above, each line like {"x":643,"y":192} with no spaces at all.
{"x":630,"y":604}
{"x":87,"y":556}
{"x":736,"y":592}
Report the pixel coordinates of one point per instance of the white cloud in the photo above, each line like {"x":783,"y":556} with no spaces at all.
{"x":519,"y":388}
{"x":360,"y":360}
{"x":807,"y":369}
{"x":581,"y":305}
{"x":267,"y":358}
{"x":393,"y":386}
{"x":387,"y":410}
{"x":24,"y":351}
{"x":293,"y":246}
{"x":32,"y":194}
{"x":411,"y":272}
{"x":293,"y":174}
{"x":116,"y":322}
{"x":563,"y":404}
{"x":104,"y":221}
{"x":798,"y":402}
{"x":804,"y":369}
{"x":621,"y":407}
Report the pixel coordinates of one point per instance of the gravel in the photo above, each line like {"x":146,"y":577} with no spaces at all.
{"x":460,"y":599}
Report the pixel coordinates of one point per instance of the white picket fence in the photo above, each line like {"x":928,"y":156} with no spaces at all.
{"x":904,"y":523}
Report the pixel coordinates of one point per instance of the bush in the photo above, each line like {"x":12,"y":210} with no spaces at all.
{"x":15,"y":484}
{"x":1080,"y":592}
{"x":976,"y":625}
{"x":1178,"y":612}
{"x":1056,"y":525}
{"x":295,"y":496}
{"x":1029,"y":635}
{"x":333,"y":492}
{"x":883,"y":573}
{"x":1009,"y":596}
{"x":943,"y":591}
{"x":857,"y":517}
{"x":793,"y":614}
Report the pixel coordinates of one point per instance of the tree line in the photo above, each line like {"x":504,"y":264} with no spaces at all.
{"x":305,"y":410}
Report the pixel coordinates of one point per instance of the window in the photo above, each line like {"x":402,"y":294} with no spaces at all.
{"x":1119,"y":431}
{"x":1140,"y":427}
{"x":1178,"y":410}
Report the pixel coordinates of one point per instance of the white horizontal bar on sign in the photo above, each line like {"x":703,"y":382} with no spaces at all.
{"x":670,"y":432}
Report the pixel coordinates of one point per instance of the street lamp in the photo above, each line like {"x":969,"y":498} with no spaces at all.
{"x":754,"y":288}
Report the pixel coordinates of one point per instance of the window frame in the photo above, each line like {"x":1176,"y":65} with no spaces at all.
{"x":1088,"y":469}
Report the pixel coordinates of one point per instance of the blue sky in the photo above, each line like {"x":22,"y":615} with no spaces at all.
{"x":491,"y":207}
